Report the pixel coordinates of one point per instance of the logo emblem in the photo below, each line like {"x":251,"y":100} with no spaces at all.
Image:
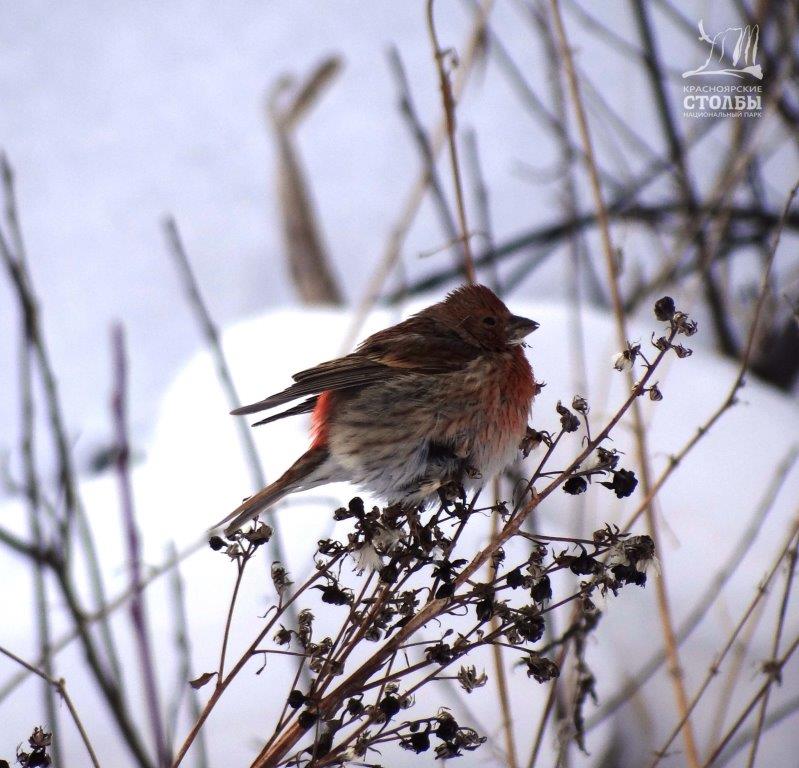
{"x":735,"y":46}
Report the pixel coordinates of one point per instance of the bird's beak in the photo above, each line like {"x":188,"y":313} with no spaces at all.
{"x":519,"y":327}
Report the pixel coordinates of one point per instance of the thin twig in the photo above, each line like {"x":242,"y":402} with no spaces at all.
{"x":60,"y":687}
{"x":408,"y":111}
{"x":409,"y":209}
{"x":666,"y":620}
{"x":448,"y":101}
{"x":775,"y":650}
{"x":775,"y":669}
{"x":137,"y":608}
{"x":714,"y":588}
{"x":183,"y":645}
{"x":716,"y":664}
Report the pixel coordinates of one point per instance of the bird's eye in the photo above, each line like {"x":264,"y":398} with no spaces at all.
{"x":489,"y":321}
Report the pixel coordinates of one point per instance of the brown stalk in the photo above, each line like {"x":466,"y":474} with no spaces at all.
{"x":716,"y":665}
{"x":399,"y":231}
{"x":713,"y":590}
{"x":731,"y":398}
{"x":308,"y":258}
{"x":448,"y":101}
{"x":775,"y":669}
{"x":664,"y":611}
{"x":775,"y":650}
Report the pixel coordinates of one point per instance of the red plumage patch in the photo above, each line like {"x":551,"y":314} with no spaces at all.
{"x":319,"y":419}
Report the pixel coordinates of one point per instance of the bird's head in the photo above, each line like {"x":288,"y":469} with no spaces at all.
{"x":480,"y":318}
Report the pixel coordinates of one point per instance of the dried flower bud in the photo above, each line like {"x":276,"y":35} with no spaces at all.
{"x":623,"y":483}
{"x":681,"y":351}
{"x":515,"y":578}
{"x":389,"y":706}
{"x":280,"y":577}
{"x":216,"y":543}
{"x":575,"y":485}
{"x":623,"y":361}
{"x":664,"y":308}
{"x":260,"y":534}
{"x":655,"y":394}
{"x":356,"y":507}
{"x":307,"y":719}
{"x":40,"y":739}
{"x":580,"y":404}
{"x":447,"y":726}
{"x":568,"y":421}
{"x":531,"y":440}
{"x":296,"y":699}
{"x":417,"y":742}
{"x":368,"y":559}
{"x":541,"y":590}
{"x":540,"y":668}
{"x":469,"y":679}
{"x":683,"y":324}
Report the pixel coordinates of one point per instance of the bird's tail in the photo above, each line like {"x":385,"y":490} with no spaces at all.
{"x":306,"y":472}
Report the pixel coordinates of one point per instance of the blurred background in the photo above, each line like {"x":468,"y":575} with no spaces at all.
{"x":284,"y":148}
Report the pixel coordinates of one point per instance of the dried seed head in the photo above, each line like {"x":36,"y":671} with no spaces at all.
{"x":280,"y":577}
{"x":580,"y":404}
{"x":664,"y":308}
{"x":655,"y":394}
{"x":469,"y":679}
{"x":623,"y":361}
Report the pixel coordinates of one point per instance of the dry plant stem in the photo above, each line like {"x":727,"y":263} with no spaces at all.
{"x":738,"y":382}
{"x":715,"y":666}
{"x":776,"y":668}
{"x":448,"y":101}
{"x":416,"y":194}
{"x":775,"y":717}
{"x":60,"y":687}
{"x":496,"y":652}
{"x":667,"y":624}
{"x":105,"y":611}
{"x":240,"y":566}
{"x":547,"y":711}
{"x":248,"y":654}
{"x":210,"y":333}
{"x":105,"y":671}
{"x":711,"y":594}
{"x":183,"y":645}
{"x":715,"y":299}
{"x":422,"y":142}
{"x":480,"y":195}
{"x":307,"y":256}
{"x":138,"y":610}
{"x":359,"y":678}
{"x":738,"y":656}
{"x":775,"y":650}
{"x":37,"y":538}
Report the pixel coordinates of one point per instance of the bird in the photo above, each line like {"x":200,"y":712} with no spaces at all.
{"x":442,"y":397}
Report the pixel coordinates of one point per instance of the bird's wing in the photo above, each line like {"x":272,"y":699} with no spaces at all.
{"x":414,"y":346}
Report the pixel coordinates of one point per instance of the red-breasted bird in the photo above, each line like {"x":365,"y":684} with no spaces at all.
{"x":441,"y":397}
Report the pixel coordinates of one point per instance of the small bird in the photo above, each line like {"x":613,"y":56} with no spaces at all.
{"x":441,"y":397}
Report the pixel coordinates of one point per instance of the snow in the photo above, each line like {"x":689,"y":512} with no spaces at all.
{"x":194,"y":472}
